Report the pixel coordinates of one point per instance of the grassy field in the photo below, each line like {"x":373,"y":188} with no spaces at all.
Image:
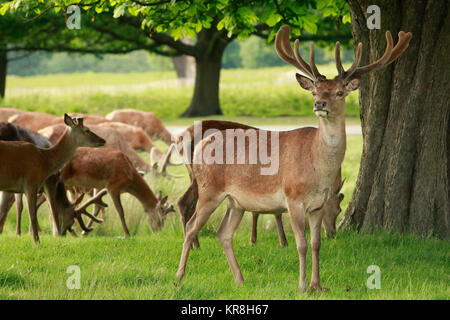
{"x":261,"y":93}
{"x":144,"y":266}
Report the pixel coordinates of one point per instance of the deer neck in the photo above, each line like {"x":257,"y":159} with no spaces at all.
{"x":331,"y":143}
{"x":142,"y":192}
{"x":61,"y":152}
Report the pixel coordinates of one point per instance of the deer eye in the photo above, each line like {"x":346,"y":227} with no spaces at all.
{"x":340,"y":93}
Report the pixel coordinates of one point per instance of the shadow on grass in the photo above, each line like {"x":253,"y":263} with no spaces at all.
{"x":11,"y":280}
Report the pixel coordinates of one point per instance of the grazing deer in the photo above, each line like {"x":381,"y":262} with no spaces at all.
{"x":188,"y":200}
{"x":309,"y":162}
{"x":24,"y":167}
{"x":6,"y":113}
{"x":145,"y":120}
{"x":113,"y":139}
{"x":111,"y":169}
{"x":140,"y":141}
{"x":35,"y":121}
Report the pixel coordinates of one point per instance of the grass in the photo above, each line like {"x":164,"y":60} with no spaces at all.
{"x":144,"y":266}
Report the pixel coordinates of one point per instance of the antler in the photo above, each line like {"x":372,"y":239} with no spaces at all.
{"x":293,"y":57}
{"x":82,"y":210}
{"x":390,"y":54}
{"x":166,"y":161}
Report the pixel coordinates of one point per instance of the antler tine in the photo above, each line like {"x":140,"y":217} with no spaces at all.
{"x":400,"y":47}
{"x":382,"y":62}
{"x":312,"y":64}
{"x":285,"y":52}
{"x":306,"y":68}
{"x":337,"y":54}
{"x":96,"y":199}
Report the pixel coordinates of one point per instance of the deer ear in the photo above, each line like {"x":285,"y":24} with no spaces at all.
{"x":352,"y":85}
{"x":163,"y":200}
{"x":304,"y":82}
{"x":68,"y":120}
{"x":159,"y":195}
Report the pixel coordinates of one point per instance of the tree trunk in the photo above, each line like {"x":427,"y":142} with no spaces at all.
{"x":3,"y":70}
{"x":205,"y":101}
{"x":184,"y":65}
{"x":403,"y":182}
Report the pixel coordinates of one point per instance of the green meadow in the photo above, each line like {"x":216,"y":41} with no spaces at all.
{"x":144,"y":265}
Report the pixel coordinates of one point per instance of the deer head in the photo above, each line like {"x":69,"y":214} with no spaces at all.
{"x":329,"y":94}
{"x":82,"y":135}
{"x":162,"y":208}
{"x":68,"y":211}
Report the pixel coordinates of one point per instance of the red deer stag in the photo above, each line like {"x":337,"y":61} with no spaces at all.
{"x":25,"y":167}
{"x":111,"y":169}
{"x":309,"y":162}
{"x":145,"y":120}
{"x":188,"y":201}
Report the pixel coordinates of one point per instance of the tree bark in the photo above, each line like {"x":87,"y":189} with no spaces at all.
{"x":184,"y":65}
{"x":3,"y":72}
{"x":403,"y":182}
{"x":205,"y":101}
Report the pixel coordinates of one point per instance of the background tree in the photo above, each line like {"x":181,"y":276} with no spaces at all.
{"x":214,"y":24}
{"x":403,"y":183}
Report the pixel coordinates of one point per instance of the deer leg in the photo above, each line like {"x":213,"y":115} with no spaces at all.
{"x":280,"y":229}
{"x":97,"y":209}
{"x":254,"y":235}
{"x":32,"y":198}
{"x":297,"y":215}
{"x":19,"y":208}
{"x":225,"y":234}
{"x":194,"y":225}
{"x":186,"y":205}
{"x":118,"y":205}
{"x":6,"y":202}
{"x":315,"y":222}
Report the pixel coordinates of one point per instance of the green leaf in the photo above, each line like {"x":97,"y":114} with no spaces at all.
{"x":119,"y":11}
{"x":5,"y":7}
{"x":347,"y":19}
{"x":273,"y":19}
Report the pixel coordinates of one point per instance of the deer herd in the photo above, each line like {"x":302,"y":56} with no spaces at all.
{"x":46,"y":157}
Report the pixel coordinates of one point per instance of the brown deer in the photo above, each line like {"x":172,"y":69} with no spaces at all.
{"x":309,"y":162}
{"x":25,"y":167}
{"x":187,"y":202}
{"x":35,"y":121}
{"x":113,"y":139}
{"x":145,"y":120}
{"x":111,"y":169}
{"x":140,"y":141}
{"x":6,"y":113}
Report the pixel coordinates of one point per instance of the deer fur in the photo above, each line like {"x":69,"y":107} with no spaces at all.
{"x":113,"y":139}
{"x":187,"y":202}
{"x":148,"y":121}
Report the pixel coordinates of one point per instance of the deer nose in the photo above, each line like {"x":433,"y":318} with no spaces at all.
{"x":320,"y":105}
